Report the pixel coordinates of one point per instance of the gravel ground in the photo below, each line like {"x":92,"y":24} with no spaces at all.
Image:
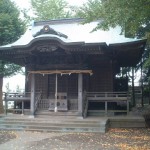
{"x":6,"y":136}
{"x":114,"y":139}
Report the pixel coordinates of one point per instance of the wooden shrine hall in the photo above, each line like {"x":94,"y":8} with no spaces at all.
{"x":71,"y":69}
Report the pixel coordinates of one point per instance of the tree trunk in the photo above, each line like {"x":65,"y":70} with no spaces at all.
{"x":1,"y":95}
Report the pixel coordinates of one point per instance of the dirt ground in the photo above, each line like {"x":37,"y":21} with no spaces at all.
{"x":114,"y":139}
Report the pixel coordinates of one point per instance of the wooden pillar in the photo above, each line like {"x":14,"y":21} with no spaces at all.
{"x":32,"y":101}
{"x":22,"y":107}
{"x":56,"y":84}
{"x":6,"y":107}
{"x":127,"y":107}
{"x":80,"y":94}
{"x":112,"y":74}
{"x":142,"y":100}
{"x":106,"y":109}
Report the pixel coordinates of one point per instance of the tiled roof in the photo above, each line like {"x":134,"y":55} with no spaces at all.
{"x":75,"y":31}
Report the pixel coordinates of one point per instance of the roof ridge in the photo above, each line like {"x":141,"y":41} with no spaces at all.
{"x":58,"y":21}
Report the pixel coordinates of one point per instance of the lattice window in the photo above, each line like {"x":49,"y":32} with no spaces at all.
{"x":41,"y":84}
{"x":73,"y":86}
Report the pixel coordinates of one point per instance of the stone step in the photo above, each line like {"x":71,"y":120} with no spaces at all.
{"x":55,"y":120}
{"x":67,"y":124}
{"x":109,"y":112}
{"x":52,"y":128}
{"x":95,"y":113}
{"x":127,"y":122}
{"x":96,"y":130}
{"x":52,"y":113}
{"x":122,"y":121}
{"x":62,"y":125}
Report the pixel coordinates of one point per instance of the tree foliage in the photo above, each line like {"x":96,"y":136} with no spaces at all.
{"x":8,"y":69}
{"x":50,"y":9}
{"x":133,"y":16}
{"x":11,"y":26}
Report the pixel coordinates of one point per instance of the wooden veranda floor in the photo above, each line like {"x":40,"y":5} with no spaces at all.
{"x":89,"y":97}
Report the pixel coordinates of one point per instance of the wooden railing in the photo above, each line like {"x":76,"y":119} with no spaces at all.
{"x":107,"y":97}
{"x":16,"y":97}
{"x":20,"y":97}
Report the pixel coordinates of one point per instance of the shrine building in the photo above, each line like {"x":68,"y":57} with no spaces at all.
{"x":70,"y":69}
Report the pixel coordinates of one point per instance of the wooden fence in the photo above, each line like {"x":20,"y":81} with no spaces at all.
{"x":106,"y":97}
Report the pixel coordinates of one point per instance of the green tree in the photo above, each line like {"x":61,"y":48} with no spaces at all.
{"x":11,"y":27}
{"x":50,"y":9}
{"x":8,"y":90}
{"x":18,"y":90}
{"x":132,"y":16}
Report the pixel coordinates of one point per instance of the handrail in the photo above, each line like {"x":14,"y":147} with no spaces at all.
{"x":109,"y":97}
{"x":25,"y":96}
{"x":17,"y":94}
{"x":108,"y":94}
{"x":102,"y":96}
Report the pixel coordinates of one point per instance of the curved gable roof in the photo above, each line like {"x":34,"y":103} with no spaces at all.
{"x":71,"y":30}
{"x":71,"y":34}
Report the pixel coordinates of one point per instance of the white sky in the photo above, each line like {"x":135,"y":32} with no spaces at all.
{"x":13,"y":82}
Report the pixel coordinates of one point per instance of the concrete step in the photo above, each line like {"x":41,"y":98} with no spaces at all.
{"x":70,"y":124}
{"x":95,"y":113}
{"x":39,"y":113}
{"x":52,"y":128}
{"x":55,"y":119}
{"x":54,"y":125}
{"x":122,"y":121}
{"x":127,"y":122}
{"x":67,"y":123}
{"x":99,"y":113}
{"x":109,"y":112}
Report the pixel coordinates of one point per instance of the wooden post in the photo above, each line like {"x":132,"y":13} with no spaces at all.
{"x":6,"y":104}
{"x":142,"y":100}
{"x":22,"y":107}
{"x":1,"y":92}
{"x":55,"y":109}
{"x":80,"y":93}
{"x":106,"y":113}
{"x":133,"y":89}
{"x":32,"y":94}
{"x":128,"y":104}
{"x":127,"y":107}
